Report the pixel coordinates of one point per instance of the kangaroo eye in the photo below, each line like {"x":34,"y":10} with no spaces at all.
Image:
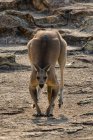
{"x":38,"y":77}
{"x":45,"y":77}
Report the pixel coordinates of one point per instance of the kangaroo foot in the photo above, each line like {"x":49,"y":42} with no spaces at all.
{"x":38,"y":115}
{"x":49,"y":115}
{"x":49,"y":112}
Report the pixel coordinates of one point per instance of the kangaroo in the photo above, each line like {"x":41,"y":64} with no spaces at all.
{"x":45,"y":49}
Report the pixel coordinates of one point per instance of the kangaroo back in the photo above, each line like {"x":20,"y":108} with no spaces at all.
{"x":44,"y":48}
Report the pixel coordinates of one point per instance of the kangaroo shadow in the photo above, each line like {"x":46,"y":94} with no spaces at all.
{"x":50,"y":120}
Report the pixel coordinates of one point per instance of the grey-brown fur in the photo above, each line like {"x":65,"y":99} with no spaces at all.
{"x":45,"y":49}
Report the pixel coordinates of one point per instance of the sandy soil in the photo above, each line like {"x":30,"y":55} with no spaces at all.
{"x":74,"y":121}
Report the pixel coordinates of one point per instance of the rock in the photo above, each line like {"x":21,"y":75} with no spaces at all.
{"x":88,"y":48}
{"x":71,"y":130}
{"x":85,"y":102}
{"x":27,"y":32}
{"x":87,"y":114}
{"x":25,"y":51}
{"x":26,"y":19}
{"x":24,"y":4}
{"x":87,"y":122}
{"x":7,"y":58}
{"x":66,"y":1}
{"x":8,"y":62}
{"x":85,"y":60}
{"x":87,"y":24}
{"x":8,"y":24}
{"x":22,"y":23}
{"x":77,"y":38}
{"x":16,"y":4}
{"x":90,"y":123}
{"x":41,"y":4}
{"x":17,"y":23}
{"x":55,"y":20}
{"x":7,"y":4}
{"x":12,"y":112}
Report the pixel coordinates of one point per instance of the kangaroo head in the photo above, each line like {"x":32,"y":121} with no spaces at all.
{"x":42,"y":74}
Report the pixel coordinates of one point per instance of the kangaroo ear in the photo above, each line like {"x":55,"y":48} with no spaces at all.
{"x":47,"y":68}
{"x":36,"y":67}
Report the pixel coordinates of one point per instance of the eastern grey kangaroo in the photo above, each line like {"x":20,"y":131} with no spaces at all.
{"x":45,"y":49}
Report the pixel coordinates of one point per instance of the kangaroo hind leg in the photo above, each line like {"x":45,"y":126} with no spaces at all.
{"x":52,"y":94}
{"x":62,"y":62}
{"x":34,"y":93}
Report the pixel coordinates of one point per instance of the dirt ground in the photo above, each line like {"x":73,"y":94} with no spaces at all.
{"x":74,"y":121}
{"x":18,"y":23}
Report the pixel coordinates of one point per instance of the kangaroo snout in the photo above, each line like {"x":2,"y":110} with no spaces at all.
{"x":41,"y":85}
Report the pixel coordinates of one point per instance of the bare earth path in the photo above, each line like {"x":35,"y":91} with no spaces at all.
{"x":74,"y":121}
